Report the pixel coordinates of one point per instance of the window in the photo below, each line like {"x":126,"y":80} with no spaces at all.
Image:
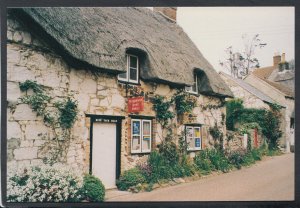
{"x":132,"y":73}
{"x":194,"y":88}
{"x":193,"y":137}
{"x":141,"y":136}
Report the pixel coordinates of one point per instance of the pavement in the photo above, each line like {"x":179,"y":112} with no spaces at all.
{"x":271,"y":179}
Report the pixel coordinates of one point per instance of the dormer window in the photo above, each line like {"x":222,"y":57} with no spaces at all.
{"x":194,"y":88}
{"x":132,"y":74}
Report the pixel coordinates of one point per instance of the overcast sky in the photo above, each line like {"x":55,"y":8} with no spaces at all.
{"x":213,"y":29}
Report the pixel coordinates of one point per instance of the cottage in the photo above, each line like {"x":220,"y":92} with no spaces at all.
{"x":252,"y":97}
{"x":264,"y":80}
{"x":112,"y":62}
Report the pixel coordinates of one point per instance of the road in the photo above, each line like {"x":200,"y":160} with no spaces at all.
{"x":269,"y":180}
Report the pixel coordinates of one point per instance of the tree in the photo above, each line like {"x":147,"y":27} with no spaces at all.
{"x":240,"y":63}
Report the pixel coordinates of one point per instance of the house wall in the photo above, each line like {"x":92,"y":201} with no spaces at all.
{"x":282,"y":100}
{"x":249,"y":100}
{"x":29,"y":58}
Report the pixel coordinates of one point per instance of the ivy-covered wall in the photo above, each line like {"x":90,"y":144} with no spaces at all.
{"x":29,"y":58}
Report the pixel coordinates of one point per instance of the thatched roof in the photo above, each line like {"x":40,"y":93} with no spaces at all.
{"x":100,"y":38}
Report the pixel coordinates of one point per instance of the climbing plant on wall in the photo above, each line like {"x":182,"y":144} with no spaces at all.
{"x":268,"y":120}
{"x":60,"y":116}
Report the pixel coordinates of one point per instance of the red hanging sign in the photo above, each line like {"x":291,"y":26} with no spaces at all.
{"x":135,"y":104}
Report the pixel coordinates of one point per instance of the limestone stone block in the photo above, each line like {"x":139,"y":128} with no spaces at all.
{"x":21,"y":74}
{"x":36,"y":162}
{"x":104,"y":102}
{"x":38,"y":61}
{"x":83,"y":101}
{"x":26,"y":37}
{"x":74,"y":81}
{"x":24,"y":112}
{"x":13,"y":91}
{"x":118,"y":101}
{"x":88,"y":86}
{"x":34,"y":130}
{"x":13,"y":143}
{"x":26,"y":153}
{"x":23,"y":164}
{"x":13,"y":54}
{"x":51,"y":79}
{"x":94,"y":101}
{"x":26,"y":143}
{"x":81,"y":132}
{"x":162,"y":90}
{"x":13,"y":130}
{"x":38,"y":142}
{"x":103,"y":93}
{"x":17,"y":36}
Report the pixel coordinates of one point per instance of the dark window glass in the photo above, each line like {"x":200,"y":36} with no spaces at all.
{"x":133,"y":62}
{"x":133,"y":74}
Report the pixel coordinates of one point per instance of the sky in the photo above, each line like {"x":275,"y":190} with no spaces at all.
{"x":213,"y":29}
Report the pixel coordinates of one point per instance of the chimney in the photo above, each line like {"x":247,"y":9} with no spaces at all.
{"x":283,"y":57}
{"x":276,"y":59}
{"x":168,"y":12}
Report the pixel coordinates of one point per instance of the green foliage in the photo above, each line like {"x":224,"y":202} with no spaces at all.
{"x":68,"y":112}
{"x":217,"y":136}
{"x":129,"y":178}
{"x":265,"y":120}
{"x":38,"y":103}
{"x":28,"y":84}
{"x":232,"y":109}
{"x":161,"y":107}
{"x":218,"y":160}
{"x":92,"y":190}
{"x":236,"y":158}
{"x":202,"y":162}
{"x":256,"y":154}
{"x":183,"y":102}
{"x":63,"y":115}
{"x":168,"y":150}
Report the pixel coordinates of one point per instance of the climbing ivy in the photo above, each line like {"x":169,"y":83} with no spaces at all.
{"x":62,"y":116}
{"x":184,"y":103}
{"x":162,"y":108}
{"x":267,"y":120}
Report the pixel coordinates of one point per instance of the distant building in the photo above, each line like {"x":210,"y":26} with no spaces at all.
{"x":275,"y":81}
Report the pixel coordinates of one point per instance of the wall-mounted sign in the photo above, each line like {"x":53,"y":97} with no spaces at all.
{"x":135,"y":104}
{"x":105,"y":120}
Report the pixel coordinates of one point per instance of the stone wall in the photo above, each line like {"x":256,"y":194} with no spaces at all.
{"x":29,"y":58}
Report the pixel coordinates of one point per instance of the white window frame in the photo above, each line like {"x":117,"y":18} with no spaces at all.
{"x":127,"y":79}
{"x":141,"y":135}
{"x":193,"y":130}
{"x":190,"y":88}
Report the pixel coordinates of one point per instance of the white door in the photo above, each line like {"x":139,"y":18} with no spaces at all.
{"x":104,"y":153}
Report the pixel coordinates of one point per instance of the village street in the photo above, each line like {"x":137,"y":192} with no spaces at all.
{"x":271,"y":179}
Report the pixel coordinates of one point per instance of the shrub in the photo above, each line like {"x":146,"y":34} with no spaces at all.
{"x":169,"y":151}
{"x":130,"y":178}
{"x":248,"y":159}
{"x":256,"y":154}
{"x":236,"y":158}
{"x":218,"y":160}
{"x":92,"y":190}
{"x":43,"y":184}
{"x":202,"y":162}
